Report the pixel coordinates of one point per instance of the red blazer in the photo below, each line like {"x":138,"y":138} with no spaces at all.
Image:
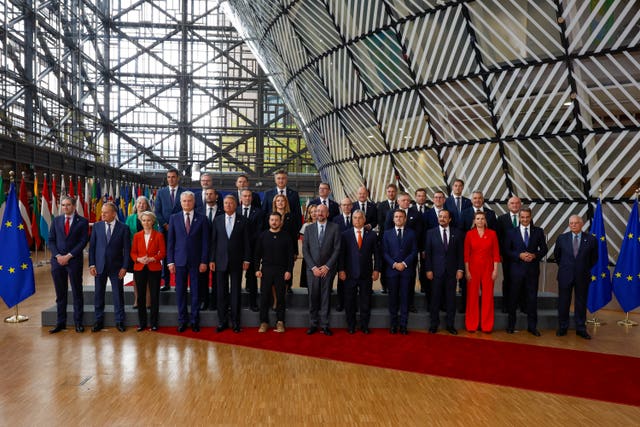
{"x":156,"y":249}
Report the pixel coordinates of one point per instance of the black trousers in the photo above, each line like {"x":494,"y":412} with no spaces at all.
{"x":358,"y":291}
{"x":443,"y":291}
{"x":251,"y":285}
{"x":229,"y":288}
{"x":529,"y":285}
{"x":272,"y":276}
{"x":148,"y":279}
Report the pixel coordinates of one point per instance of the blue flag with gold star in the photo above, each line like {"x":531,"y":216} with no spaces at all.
{"x":626,"y":275}
{"x":600,"y":287}
{"x":17,"y":282}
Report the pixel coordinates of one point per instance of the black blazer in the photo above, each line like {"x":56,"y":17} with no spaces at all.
{"x":294,"y":206}
{"x":469,"y":213}
{"x":371,"y":216}
{"x":444,"y":263}
{"x":340,"y":221}
{"x":255,"y":198}
{"x":575,"y":269}
{"x":256,"y":222}
{"x":230,"y":252}
{"x":359,"y":263}
{"x":334,"y":207}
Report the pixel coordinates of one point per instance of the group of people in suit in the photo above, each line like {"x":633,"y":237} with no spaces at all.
{"x":457,"y":242}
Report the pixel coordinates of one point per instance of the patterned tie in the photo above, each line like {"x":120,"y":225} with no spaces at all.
{"x":108,"y":232}
{"x":67,"y":225}
{"x":445,"y":241}
{"x":229,"y":226}
{"x":359,"y":239}
{"x":246,"y":212}
{"x":321,"y":234}
{"x":576,"y":245}
{"x":526,"y":236}
{"x":173,"y":196}
{"x":187,"y":223}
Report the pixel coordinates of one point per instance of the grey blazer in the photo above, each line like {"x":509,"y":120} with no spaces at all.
{"x":314,"y":255}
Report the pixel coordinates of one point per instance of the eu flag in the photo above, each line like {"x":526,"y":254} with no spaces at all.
{"x":16,"y":269}
{"x":600,"y":287}
{"x":626,"y":275}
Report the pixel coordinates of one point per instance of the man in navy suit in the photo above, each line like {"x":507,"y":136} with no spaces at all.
{"x":383,"y":209}
{"x":456,"y":203}
{"x":444,"y":266}
{"x":229,"y":256}
{"x":242,"y":183}
{"x":400,"y":248}
{"x":255,"y":217}
{"x":324,"y":191}
{"x":507,"y":222}
{"x":188,"y":255}
{"x":68,"y":236}
{"x":281,"y":179}
{"x":109,"y":258}
{"x":359,"y":267}
{"x":524,"y":247}
{"x":366,"y":206}
{"x":344,"y":223}
{"x":167,"y":203}
{"x":206,"y":181}
{"x":576,"y":253}
{"x":477,"y":205}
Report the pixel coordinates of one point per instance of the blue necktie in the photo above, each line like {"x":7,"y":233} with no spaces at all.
{"x":108,"y":232}
{"x":526,"y":236}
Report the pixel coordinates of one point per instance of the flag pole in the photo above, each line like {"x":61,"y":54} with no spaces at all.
{"x":594,"y":318}
{"x":626,"y":321}
{"x":16,"y":318}
{"x":45,"y":261}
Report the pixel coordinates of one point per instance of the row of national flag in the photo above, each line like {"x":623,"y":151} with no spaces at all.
{"x":625,"y":282}
{"x":36,"y":216}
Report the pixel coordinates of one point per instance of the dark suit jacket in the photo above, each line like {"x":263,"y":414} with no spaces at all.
{"x":394,"y":252}
{"x":383,"y":210}
{"x":188,"y":249}
{"x":371,"y":217}
{"x":73,"y":244}
{"x":294,"y":205}
{"x":156,"y":249}
{"x":219,"y":211}
{"x":431,"y":219}
{"x":414,"y":222}
{"x":504,"y":226}
{"x":255,"y":198}
{"x":230,"y":252}
{"x":109,"y":257}
{"x":256,"y":222}
{"x":334,"y":207}
{"x":450,"y":205}
{"x":339,"y":221}
{"x":327,"y":254}
{"x":444,"y":263}
{"x":469,"y":213}
{"x":514,"y":246}
{"x":359,"y":263}
{"x":201,"y":206}
{"x":163,"y":207}
{"x":576,"y":268}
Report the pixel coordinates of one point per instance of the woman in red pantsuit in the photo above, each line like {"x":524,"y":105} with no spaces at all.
{"x":481,"y":259}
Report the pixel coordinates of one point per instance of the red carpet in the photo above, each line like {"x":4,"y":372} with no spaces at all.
{"x":576,"y":373}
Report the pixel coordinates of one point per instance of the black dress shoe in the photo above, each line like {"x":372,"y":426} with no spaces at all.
{"x":312,"y":330}
{"x":403,"y":330}
{"x":452,"y":331}
{"x":237,"y":329}
{"x":327,"y":331}
{"x":97,"y":327}
{"x":366,"y":330}
{"x":393,"y":330}
{"x":289,"y":290}
{"x":79,"y":329}
{"x":140,"y":329}
{"x":195,"y":328}
{"x":182,"y":327}
{"x":222,"y":327}
{"x":534,"y":332}
{"x":254,"y":308}
{"x":57,"y":329}
{"x":154,"y":328}
{"x":433,"y":330}
{"x":511,"y":330}
{"x":583,"y":334}
{"x":339,"y":308}
{"x":120,"y":327}
{"x":413,"y":309}
{"x":351,"y":331}
{"x":165,"y":288}
{"x":204,"y":307}
{"x":561,"y":332}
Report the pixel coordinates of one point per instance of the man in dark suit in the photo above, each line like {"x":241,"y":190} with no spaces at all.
{"x":229,"y":256}
{"x":344,"y":223}
{"x":383,"y":209}
{"x":430,"y":219}
{"x":281,"y":179}
{"x":211,"y":210}
{"x":399,"y":248}
{"x":188,"y":254}
{"x":477,"y":205}
{"x":242,"y":183}
{"x":507,"y":222}
{"x":324,"y":191}
{"x":576,"y":253}
{"x":413,"y":222}
{"x":256,"y":222}
{"x":524,"y":247}
{"x":167,"y":203}
{"x":359,"y":267}
{"x":366,"y":206}
{"x":320,"y":247}
{"x":444,"y":266}
{"x":68,"y":235}
{"x":109,"y":250}
{"x":420,"y":196}
{"x":206,"y":181}
{"x":456,"y":203}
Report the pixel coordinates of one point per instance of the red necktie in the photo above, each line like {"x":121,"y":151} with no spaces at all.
{"x":359,"y":239}
{"x":67,"y":224}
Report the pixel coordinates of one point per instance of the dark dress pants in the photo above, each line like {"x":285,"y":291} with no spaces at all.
{"x":399,"y":299}
{"x":443,"y":292}
{"x":272,"y":277}
{"x":357,"y":291}
{"x":187,"y":275}
{"x":148,"y":279}
{"x":62,"y":277}
{"x":229,"y":288}
{"x":579,"y":304}
{"x":117,"y":293}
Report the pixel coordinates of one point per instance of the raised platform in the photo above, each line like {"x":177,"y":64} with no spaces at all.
{"x":297,"y":312}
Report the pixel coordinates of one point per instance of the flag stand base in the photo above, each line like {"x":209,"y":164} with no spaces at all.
{"x":627,"y":321}
{"x":595,"y":321}
{"x":16,"y":318}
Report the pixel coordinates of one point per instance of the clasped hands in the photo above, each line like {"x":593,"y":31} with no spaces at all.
{"x":320,"y":271}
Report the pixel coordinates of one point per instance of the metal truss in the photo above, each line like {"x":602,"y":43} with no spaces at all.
{"x":537,"y":98}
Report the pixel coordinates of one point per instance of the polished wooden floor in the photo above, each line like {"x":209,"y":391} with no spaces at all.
{"x":154,"y":379}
